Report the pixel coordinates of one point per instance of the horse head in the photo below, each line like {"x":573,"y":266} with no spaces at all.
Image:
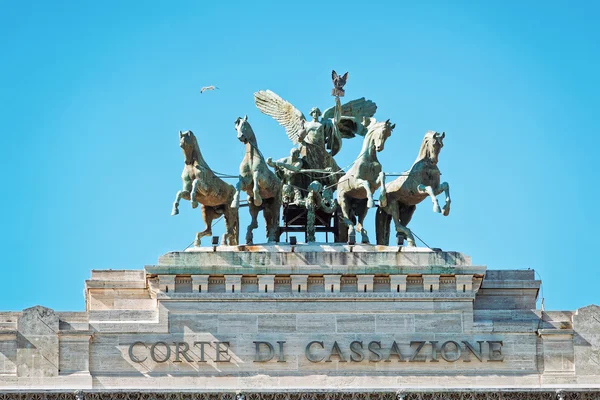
{"x":431,"y":146}
{"x":380,"y":131}
{"x":189,"y":145}
{"x":244,"y":130}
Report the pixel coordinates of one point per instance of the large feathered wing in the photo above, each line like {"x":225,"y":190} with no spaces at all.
{"x":282,"y":111}
{"x":358,"y":109}
{"x":353,"y":113}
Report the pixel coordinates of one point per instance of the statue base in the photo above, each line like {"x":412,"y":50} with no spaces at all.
{"x":294,"y":321}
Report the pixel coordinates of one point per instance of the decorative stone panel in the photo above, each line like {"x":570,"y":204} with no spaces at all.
{"x":37,"y":343}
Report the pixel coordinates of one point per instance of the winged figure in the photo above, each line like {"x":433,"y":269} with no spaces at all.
{"x":319,"y":139}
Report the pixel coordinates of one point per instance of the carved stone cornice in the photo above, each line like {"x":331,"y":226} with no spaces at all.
{"x":294,"y":296}
{"x":500,"y":394}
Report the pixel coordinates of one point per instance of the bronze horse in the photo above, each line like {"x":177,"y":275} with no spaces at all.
{"x":201,"y":185}
{"x":408,"y":190}
{"x":259,"y":182}
{"x":355,"y":189}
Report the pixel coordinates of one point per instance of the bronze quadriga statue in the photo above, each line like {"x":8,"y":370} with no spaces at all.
{"x":304,"y":182}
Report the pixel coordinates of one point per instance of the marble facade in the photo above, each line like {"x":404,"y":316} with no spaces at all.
{"x":308,"y":322}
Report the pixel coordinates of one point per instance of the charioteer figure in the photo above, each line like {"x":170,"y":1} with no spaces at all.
{"x":288,"y":169}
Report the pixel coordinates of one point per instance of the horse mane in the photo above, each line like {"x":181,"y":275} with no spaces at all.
{"x":425,"y":151}
{"x":373,"y":127}
{"x":196,"y":154}
{"x":248,"y":128}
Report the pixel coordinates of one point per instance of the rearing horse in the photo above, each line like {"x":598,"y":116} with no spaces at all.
{"x":259,"y":182}
{"x":201,"y":185}
{"x":355,"y":189}
{"x":408,"y":190}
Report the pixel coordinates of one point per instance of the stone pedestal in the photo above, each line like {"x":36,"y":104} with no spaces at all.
{"x":366,"y":321}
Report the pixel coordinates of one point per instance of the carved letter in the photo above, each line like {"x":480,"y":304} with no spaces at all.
{"x":281,"y":355}
{"x":309,"y":357}
{"x":458,"y":351}
{"x":224,"y":351}
{"x":394,"y":350}
{"x":472,"y":350}
{"x":495,"y":352}
{"x":183,"y":352}
{"x":356,"y":350}
{"x":434,"y":350}
{"x":335,"y":351}
{"x":414,"y":356}
{"x":153,"y":352}
{"x":201,"y":350}
{"x":132,"y":356}
{"x":374,"y":350}
{"x":257,"y":357}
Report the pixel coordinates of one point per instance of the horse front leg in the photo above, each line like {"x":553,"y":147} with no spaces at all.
{"x":382,"y":192}
{"x":175,"y":209}
{"x":235,"y":203}
{"x":430,"y":192}
{"x":256,"y":189}
{"x":367,"y":187}
{"x":184,"y":193}
{"x":444,"y":187}
{"x":193,"y":193}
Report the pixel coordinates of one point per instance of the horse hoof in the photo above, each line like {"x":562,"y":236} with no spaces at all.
{"x":410,"y":243}
{"x":446,"y":211}
{"x":436,"y":208}
{"x":370,"y":203}
{"x":258,"y":201}
{"x":194,"y":204}
{"x":175,"y":211}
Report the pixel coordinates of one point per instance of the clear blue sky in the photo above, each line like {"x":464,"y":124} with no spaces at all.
{"x":92,"y":95}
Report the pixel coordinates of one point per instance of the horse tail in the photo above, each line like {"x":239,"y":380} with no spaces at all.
{"x":236,"y":227}
{"x":232,"y":223}
{"x":382,"y":226}
{"x":232,"y":219}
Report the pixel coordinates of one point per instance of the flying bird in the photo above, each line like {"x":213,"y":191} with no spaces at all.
{"x":205,"y":88}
